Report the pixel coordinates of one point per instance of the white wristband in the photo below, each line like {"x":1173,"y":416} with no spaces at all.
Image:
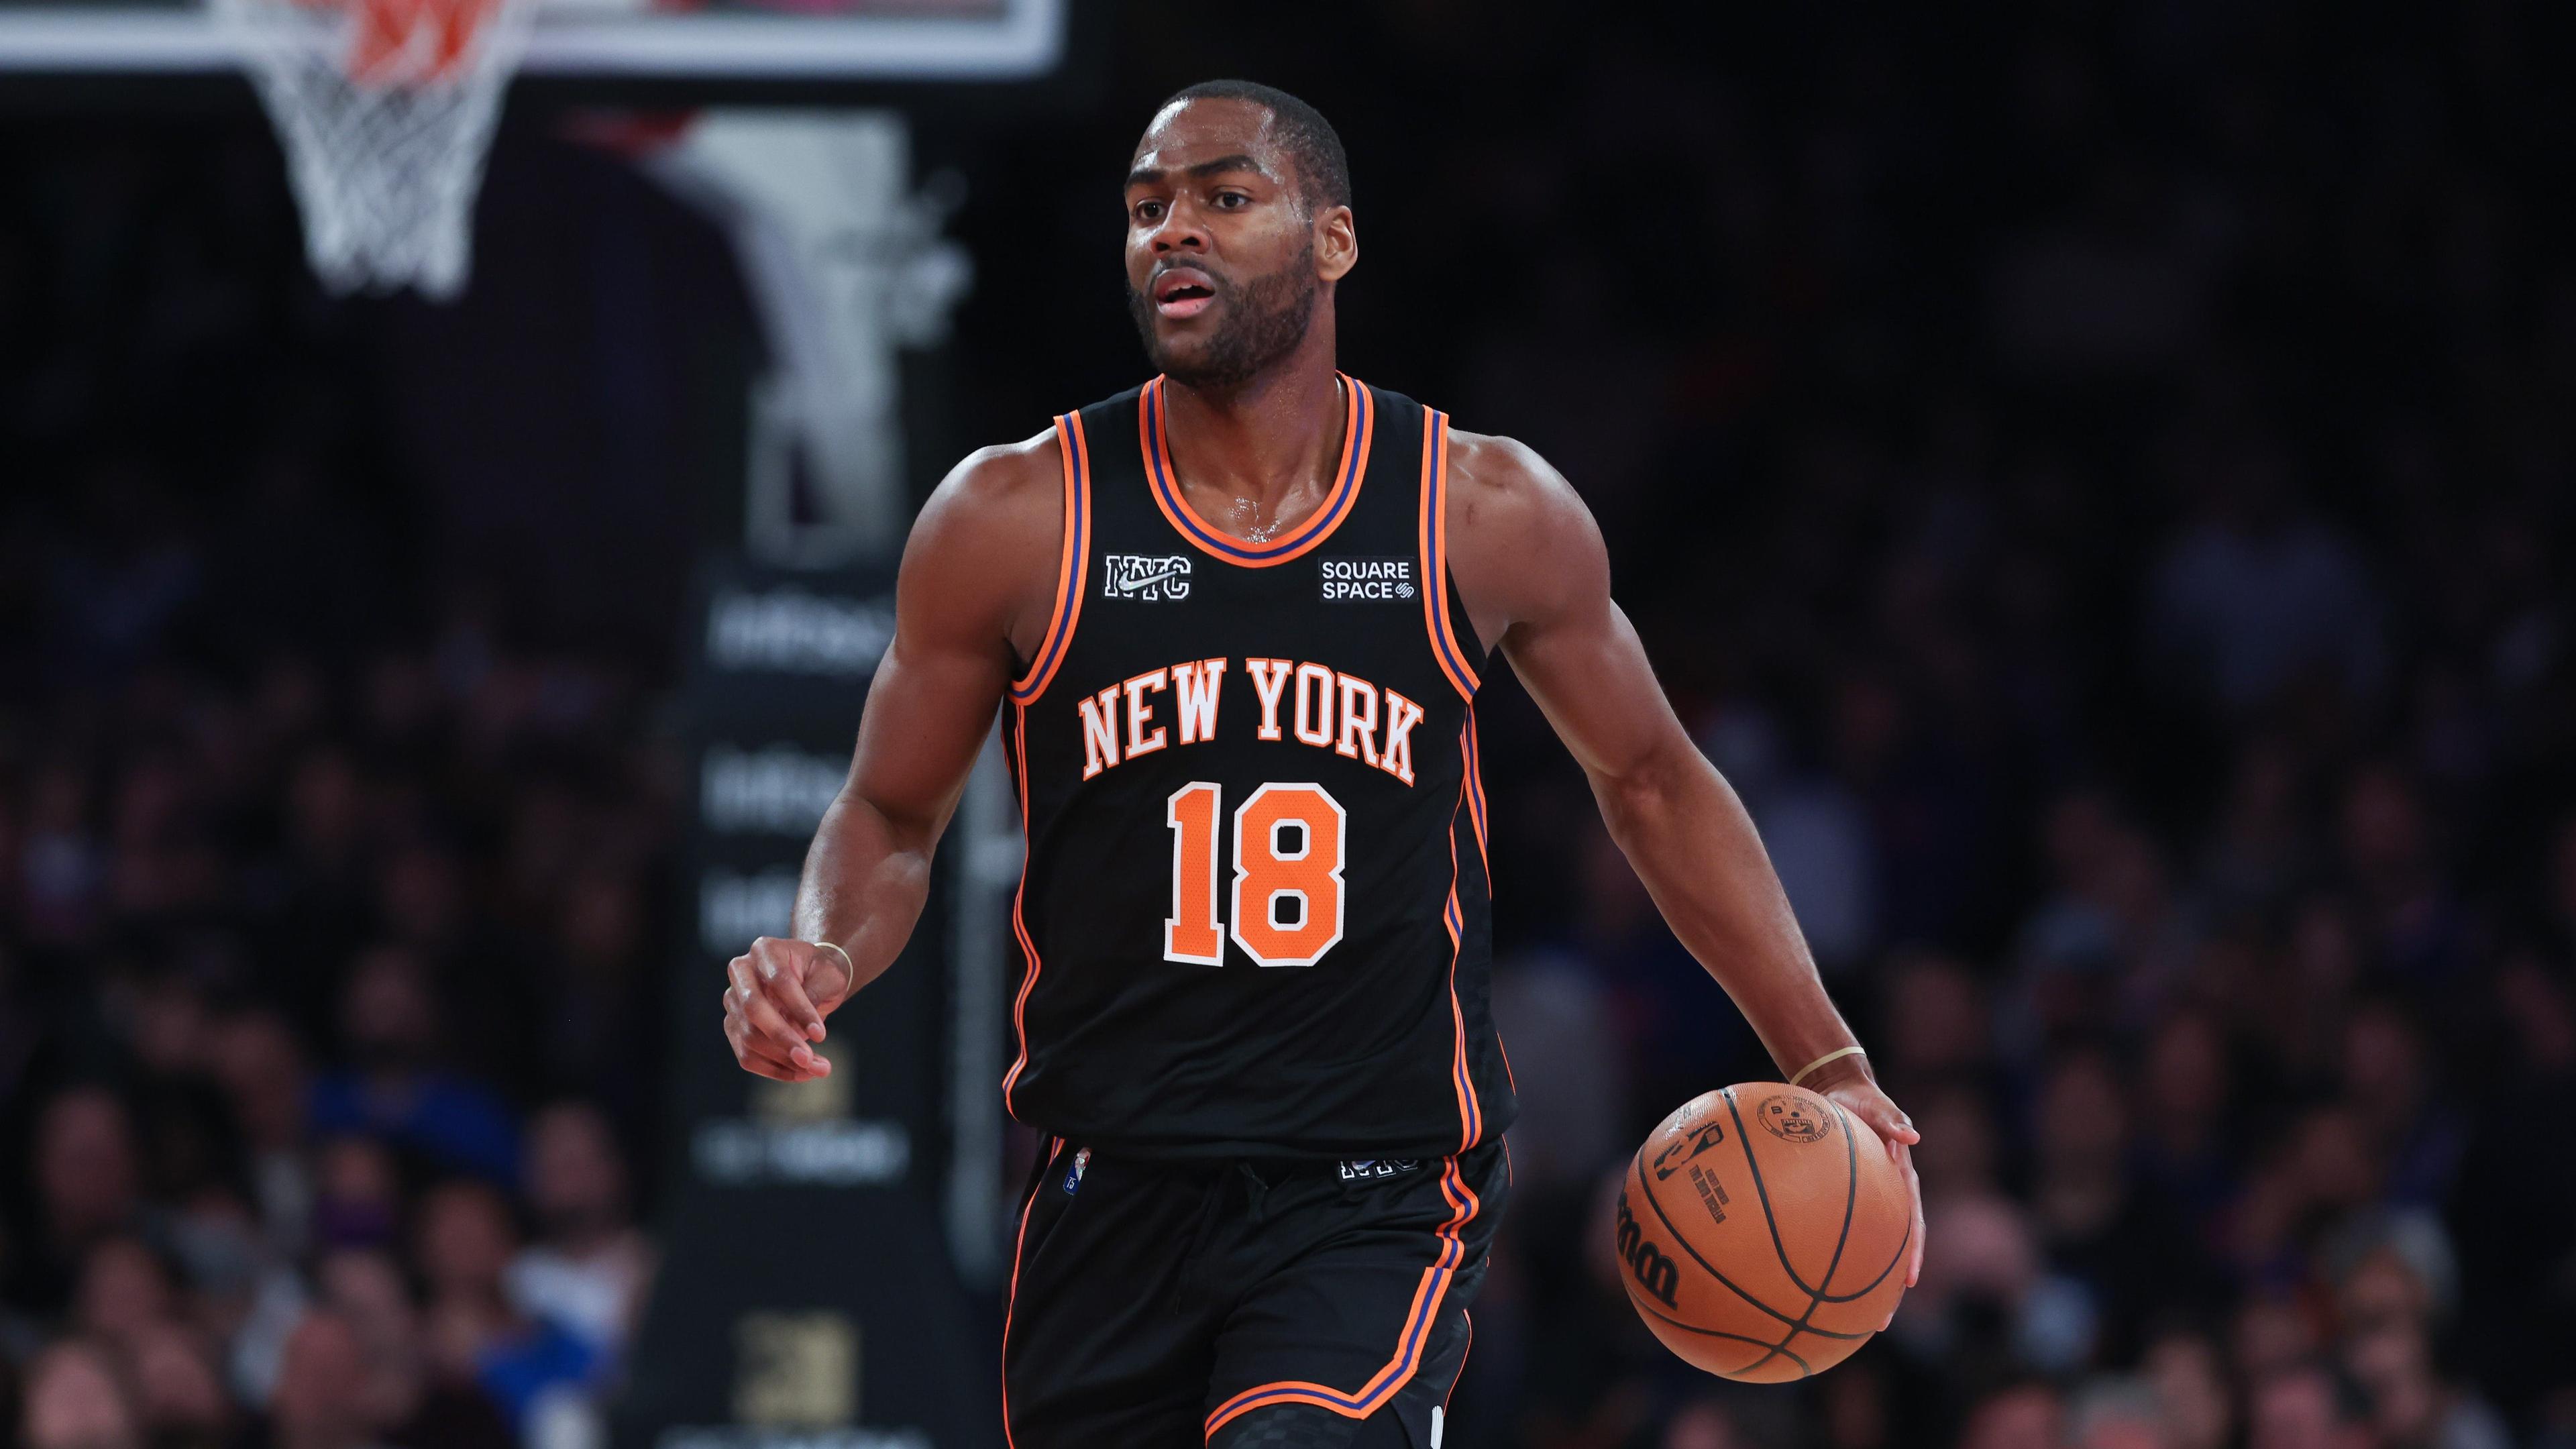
{"x":1809,"y":1069}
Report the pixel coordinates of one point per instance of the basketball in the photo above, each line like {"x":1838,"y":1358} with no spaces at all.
{"x":1762,"y":1233}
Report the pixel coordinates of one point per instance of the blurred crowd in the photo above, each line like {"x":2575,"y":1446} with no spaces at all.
{"x":325,"y":1028}
{"x":2099,"y":480}
{"x":326,"y":1033}
{"x":2096,"y":477}
{"x":328,"y":987}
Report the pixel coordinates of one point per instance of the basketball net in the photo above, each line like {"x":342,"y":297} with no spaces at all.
{"x":386,"y":110}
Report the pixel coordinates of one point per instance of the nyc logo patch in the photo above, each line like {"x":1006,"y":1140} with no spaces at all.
{"x":1144,"y":576}
{"x":1073,"y":1174}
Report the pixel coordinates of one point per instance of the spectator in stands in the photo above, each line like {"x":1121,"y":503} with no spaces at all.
{"x":124,"y":1291}
{"x":393,"y":1086}
{"x":358,"y":1194}
{"x":86,"y":1191}
{"x":463,"y":1249}
{"x":2190,"y":1381}
{"x":75,"y":1399}
{"x":2028,"y":1416}
{"x":589,"y":1265}
{"x":2303,"y":1408}
{"x":261,"y":1067}
{"x":410,"y":1406}
{"x":179,"y":1396}
{"x":321,"y":1398}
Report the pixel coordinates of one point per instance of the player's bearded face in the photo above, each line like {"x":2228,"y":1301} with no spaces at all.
{"x":1258,"y":322}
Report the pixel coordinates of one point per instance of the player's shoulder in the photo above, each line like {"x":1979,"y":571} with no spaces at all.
{"x":982,"y":554}
{"x":1501,"y":482}
{"x":1000,"y":495}
{"x":1521,"y":543}
{"x":1004,"y":476}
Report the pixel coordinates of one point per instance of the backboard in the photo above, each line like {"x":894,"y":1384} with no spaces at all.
{"x":759,"y":40}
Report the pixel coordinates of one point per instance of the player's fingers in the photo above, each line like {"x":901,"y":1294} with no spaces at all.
{"x":758,"y":1054}
{"x":781,"y":965}
{"x":762,"y":1022}
{"x":758,"y":1007}
{"x":1888,"y":1120}
{"x":750,"y":1055}
{"x":1914,"y":1189}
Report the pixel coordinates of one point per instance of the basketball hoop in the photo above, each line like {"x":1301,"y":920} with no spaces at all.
{"x":386,"y":110}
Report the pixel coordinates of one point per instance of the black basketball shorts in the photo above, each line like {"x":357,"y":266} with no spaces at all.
{"x":1311,"y":1305}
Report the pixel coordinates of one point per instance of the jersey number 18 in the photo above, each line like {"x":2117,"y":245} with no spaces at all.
{"x":1285,"y":907}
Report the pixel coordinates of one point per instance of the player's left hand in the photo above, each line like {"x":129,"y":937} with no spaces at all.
{"x":1861,"y":1097}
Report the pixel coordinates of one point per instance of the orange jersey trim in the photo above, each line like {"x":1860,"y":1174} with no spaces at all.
{"x":1153,"y":437}
{"x":1471,"y":1116}
{"x":1019,"y":919}
{"x":1072,"y":562}
{"x":1462,"y":1361}
{"x":1419,"y":1317}
{"x":1435,"y":555}
{"x":1484,"y":850}
{"x":1476,"y":798}
{"x":1011,"y":1298}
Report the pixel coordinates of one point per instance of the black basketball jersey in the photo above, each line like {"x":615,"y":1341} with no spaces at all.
{"x":1255,"y":915}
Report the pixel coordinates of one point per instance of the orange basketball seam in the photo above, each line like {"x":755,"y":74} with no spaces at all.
{"x":1780,"y":1250}
{"x":1850,"y":1156}
{"x":1901,"y":1243}
{"x":1647,"y":1188}
{"x":1872,"y":1285}
{"x":1761,"y":1343}
{"x":1851,"y":1198}
{"x":1851,"y":1194}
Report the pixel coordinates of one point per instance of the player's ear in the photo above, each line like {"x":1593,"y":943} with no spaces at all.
{"x":1337,"y":243}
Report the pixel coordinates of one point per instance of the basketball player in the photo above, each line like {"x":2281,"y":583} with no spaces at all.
{"x":1235,"y":621}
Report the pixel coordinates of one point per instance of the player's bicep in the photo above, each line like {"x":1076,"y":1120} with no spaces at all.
{"x":928,"y":712}
{"x":1588,"y":671}
{"x":975,"y":554}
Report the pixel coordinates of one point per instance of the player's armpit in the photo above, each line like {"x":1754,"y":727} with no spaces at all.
{"x":1535,"y":576}
{"x":1524,"y":549}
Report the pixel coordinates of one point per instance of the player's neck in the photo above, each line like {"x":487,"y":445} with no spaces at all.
{"x":1268,"y":446}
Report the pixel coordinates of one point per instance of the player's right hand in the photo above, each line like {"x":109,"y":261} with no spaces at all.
{"x":771,"y":1011}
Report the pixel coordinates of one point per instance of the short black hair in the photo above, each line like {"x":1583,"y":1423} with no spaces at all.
{"x":1324,"y":169}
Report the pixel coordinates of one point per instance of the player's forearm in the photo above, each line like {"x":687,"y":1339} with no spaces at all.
{"x":1692,"y":843}
{"x":866,"y":878}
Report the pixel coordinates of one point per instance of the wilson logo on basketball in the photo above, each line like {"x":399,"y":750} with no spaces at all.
{"x":1657,"y":1275}
{"x":1788,"y":1119}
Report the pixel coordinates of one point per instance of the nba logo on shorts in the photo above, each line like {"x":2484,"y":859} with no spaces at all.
{"x":1073,"y":1176}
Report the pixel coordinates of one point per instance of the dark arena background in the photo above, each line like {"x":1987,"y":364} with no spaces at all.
{"x":2097,"y":477}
